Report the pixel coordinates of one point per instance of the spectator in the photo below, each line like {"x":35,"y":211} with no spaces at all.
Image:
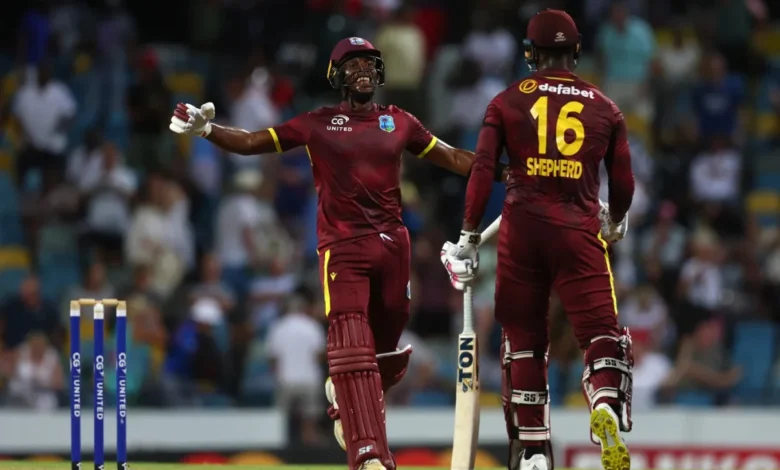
{"x":148,"y":103}
{"x":45,"y":109}
{"x":717,"y":100}
{"x":472,"y":89}
{"x":268,"y":291}
{"x":734,"y":23}
{"x":35,"y":36}
{"x":679,"y":61}
{"x":210,"y":285}
{"x":645,"y":312}
{"x":26,"y":312}
{"x":701,"y":282}
{"x":662,"y":249}
{"x":403,"y":51}
{"x":160,"y":235}
{"x":147,"y":329}
{"x":238,"y":218}
{"x":702,"y":363}
{"x":296,"y":347}
{"x":254,"y":109}
{"x":716,"y":174}
{"x":626,"y":46}
{"x":490,"y":45}
{"x":195,"y":364}
{"x":652,"y":370}
{"x":94,"y":285}
{"x":108,"y":187}
{"x":116,"y":37}
{"x":37,"y":374}
{"x":675,"y":72}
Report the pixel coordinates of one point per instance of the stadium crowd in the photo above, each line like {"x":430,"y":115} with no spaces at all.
{"x":215,"y":253}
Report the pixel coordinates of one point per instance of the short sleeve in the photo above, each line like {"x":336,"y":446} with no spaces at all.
{"x":293,"y":133}
{"x":420,"y":140}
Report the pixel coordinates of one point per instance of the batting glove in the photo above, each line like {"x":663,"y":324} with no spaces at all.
{"x":611,"y":231}
{"x":461,"y":260}
{"x":189,"y":120}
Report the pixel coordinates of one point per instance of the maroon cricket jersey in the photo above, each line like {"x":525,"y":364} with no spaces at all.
{"x":556,"y":129}
{"x":356,"y":160}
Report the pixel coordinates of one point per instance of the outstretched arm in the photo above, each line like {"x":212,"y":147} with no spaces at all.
{"x":459,"y":161}
{"x":189,"y":120}
{"x":243,"y":142}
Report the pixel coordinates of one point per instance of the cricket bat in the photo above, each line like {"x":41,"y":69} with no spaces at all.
{"x":464,"y":442}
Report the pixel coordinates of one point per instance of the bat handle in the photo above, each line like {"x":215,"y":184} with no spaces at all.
{"x":468,"y":309}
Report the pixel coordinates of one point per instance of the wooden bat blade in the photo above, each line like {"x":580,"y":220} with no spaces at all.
{"x":466,"y":435}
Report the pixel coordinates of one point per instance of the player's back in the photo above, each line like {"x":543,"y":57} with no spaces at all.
{"x":557,"y":130}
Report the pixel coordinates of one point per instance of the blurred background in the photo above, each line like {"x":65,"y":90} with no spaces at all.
{"x":215,"y":252}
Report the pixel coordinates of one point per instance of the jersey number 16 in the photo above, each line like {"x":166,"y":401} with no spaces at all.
{"x":565,"y":122}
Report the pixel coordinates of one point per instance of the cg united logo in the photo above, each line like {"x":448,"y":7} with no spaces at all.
{"x":338,"y":124}
{"x":528,"y":86}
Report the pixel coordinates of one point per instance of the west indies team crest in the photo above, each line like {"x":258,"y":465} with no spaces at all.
{"x":386,"y":123}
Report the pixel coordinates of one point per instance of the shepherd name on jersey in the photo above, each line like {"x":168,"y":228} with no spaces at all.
{"x":561,"y":89}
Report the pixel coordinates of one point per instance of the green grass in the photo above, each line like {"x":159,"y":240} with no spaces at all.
{"x":12,"y":465}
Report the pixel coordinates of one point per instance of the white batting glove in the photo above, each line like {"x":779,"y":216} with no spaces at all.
{"x":189,"y":120}
{"x":461,"y":260}
{"x":611,"y":231}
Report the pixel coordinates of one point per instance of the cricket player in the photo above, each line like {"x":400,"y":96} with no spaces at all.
{"x":554,"y":234}
{"x":355,"y":149}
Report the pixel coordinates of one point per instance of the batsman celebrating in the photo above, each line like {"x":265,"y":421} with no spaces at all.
{"x":554,"y":234}
{"x":355,"y":150}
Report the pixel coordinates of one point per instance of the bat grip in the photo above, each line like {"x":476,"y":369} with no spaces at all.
{"x":468,"y":309}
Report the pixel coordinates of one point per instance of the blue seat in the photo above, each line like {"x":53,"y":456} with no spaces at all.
{"x":11,"y":232}
{"x":57,"y":276}
{"x":216,"y":400}
{"x":257,"y":388}
{"x":574,"y":377}
{"x":430,"y":398}
{"x":695,"y":399}
{"x":58,"y":260}
{"x":754,"y":352}
{"x":555,"y":381}
{"x":11,"y":280}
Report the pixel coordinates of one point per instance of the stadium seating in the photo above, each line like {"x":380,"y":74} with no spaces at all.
{"x":695,"y":399}
{"x":14,"y":267}
{"x":754,"y":352}
{"x":11,"y":232}
{"x":58,"y":260}
{"x":257,"y":387}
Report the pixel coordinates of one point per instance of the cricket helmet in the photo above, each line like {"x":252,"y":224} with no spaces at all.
{"x":551,"y":29}
{"x":347,"y":49}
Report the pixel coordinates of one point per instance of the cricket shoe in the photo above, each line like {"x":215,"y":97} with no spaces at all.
{"x":372,"y":464}
{"x":604,"y":424}
{"x":338,"y":430}
{"x":535,"y":462}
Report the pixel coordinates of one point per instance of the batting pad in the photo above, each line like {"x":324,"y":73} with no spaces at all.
{"x":355,"y":374}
